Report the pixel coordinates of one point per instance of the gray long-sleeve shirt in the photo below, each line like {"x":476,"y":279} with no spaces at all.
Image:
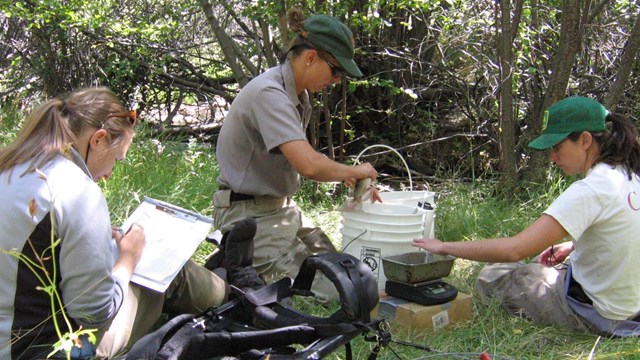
{"x":82,"y":261}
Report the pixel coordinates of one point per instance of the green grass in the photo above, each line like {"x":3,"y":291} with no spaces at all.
{"x":184,"y":173}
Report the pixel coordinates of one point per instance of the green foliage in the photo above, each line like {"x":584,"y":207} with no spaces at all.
{"x":10,"y":121}
{"x":181,"y":173}
{"x":321,"y":203}
{"x":476,"y":211}
{"x":438,"y":55}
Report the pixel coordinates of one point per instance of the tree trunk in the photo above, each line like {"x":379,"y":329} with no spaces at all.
{"x":507,"y":122}
{"x":227,"y":45}
{"x":570,"y":40}
{"x":569,"y":44}
{"x":627,"y":62}
{"x":327,"y":119}
{"x":269,"y":46}
{"x":343,"y":119}
{"x":283,"y":24}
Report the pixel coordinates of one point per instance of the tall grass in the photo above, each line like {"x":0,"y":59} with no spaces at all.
{"x":184,"y":173}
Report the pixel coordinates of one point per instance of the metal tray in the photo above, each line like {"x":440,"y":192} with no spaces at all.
{"x":417,"y":267}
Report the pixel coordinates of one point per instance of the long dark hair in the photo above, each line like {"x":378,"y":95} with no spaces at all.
{"x":619,"y":144}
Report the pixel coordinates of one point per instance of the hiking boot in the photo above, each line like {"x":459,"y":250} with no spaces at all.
{"x":215,"y":260}
{"x":238,"y":256}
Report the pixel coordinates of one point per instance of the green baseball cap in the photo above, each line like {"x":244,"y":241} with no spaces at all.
{"x":334,"y":37}
{"x":573,"y":114}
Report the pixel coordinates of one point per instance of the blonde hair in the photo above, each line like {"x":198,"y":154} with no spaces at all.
{"x":58,"y":123}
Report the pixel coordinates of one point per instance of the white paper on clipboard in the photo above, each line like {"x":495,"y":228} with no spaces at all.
{"x":172,"y":236}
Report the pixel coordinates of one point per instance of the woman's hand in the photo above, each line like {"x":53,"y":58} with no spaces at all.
{"x":555,"y":254}
{"x":116,"y":233}
{"x":375,"y":195}
{"x":130,"y":246}
{"x":434,"y":246}
{"x":359,"y":172}
{"x":132,"y":243}
{"x":366,"y":170}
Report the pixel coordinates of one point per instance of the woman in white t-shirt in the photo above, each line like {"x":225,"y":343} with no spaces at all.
{"x":587,"y":283}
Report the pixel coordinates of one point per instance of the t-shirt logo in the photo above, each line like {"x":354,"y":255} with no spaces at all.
{"x":633,"y":201}
{"x":545,"y":120}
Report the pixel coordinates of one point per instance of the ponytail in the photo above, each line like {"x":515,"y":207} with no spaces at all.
{"x":619,"y":144}
{"x":44,"y":134}
{"x":52,"y":127}
{"x":295,"y":20}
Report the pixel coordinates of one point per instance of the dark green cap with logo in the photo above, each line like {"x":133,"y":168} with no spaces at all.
{"x":573,"y":114}
{"x":334,"y":37}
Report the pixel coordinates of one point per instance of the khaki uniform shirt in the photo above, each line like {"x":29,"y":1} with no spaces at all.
{"x":266,"y":114}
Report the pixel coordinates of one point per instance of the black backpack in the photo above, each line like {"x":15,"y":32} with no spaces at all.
{"x":259,"y":324}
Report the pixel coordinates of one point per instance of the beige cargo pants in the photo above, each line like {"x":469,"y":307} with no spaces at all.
{"x":284,"y":237}
{"x":192,"y":291}
{"x":530,"y":290}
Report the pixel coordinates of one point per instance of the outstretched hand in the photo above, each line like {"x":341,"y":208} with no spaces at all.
{"x":434,"y":246}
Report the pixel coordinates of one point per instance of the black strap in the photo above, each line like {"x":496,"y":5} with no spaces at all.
{"x":235,"y":343}
{"x":271,"y":293}
{"x":347,"y":351}
{"x":356,"y":298}
{"x":305,"y":276}
{"x":236,"y":196}
{"x":178,"y":343}
{"x":240,"y":197}
{"x":362,"y":297}
{"x":576,"y":292}
{"x":149,"y":345}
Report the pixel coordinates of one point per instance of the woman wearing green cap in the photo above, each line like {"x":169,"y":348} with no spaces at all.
{"x":263,"y":151}
{"x":589,"y":282}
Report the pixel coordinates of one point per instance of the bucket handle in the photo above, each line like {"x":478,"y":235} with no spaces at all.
{"x":394,"y":151}
{"x":354,"y":239}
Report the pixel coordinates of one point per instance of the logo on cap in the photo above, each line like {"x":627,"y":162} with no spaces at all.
{"x":545,"y":120}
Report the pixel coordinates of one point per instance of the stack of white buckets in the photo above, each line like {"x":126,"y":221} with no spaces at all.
{"x":378,"y":230}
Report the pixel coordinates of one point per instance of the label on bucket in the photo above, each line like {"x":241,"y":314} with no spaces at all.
{"x":371,"y":257}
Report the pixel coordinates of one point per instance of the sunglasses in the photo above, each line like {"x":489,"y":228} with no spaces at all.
{"x":131,"y":116}
{"x":335,"y":70}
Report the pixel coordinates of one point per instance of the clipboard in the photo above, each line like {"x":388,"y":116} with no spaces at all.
{"x":172,"y":236}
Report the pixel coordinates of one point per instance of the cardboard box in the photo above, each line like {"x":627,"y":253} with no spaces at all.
{"x":419,"y":317}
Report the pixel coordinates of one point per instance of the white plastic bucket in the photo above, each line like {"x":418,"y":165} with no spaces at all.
{"x":429,"y":224}
{"x":415,"y":198}
{"x":378,"y":230}
{"x":378,"y":213}
{"x":384,"y":229}
{"x":354,"y":223}
{"x":408,"y":198}
{"x":380,"y":236}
